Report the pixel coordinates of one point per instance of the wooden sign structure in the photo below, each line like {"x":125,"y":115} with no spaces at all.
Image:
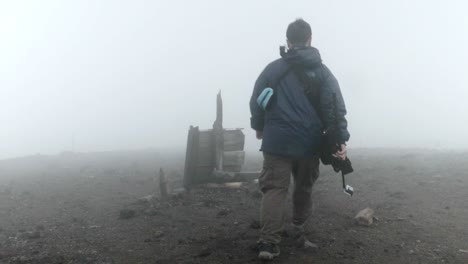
{"x":215,"y":155}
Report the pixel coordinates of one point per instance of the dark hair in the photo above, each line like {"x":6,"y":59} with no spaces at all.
{"x":299,"y":32}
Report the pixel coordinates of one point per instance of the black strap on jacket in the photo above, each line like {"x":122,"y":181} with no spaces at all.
{"x":274,"y":85}
{"x":312,"y":86}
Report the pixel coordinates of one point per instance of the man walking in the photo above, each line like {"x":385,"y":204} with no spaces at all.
{"x":291,"y":127}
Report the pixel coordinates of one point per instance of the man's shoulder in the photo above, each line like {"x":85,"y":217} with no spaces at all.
{"x":275,"y":67}
{"x":276,"y":64}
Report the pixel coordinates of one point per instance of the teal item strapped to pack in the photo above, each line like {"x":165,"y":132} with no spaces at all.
{"x":264,"y":98}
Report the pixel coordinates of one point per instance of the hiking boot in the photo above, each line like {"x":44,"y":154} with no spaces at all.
{"x":267,"y":251}
{"x":304,"y":243}
{"x":296,"y":231}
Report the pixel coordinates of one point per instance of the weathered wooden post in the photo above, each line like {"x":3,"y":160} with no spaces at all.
{"x":215,"y":155}
{"x":191,"y":157}
{"x":163,"y":184}
{"x":218,"y":137}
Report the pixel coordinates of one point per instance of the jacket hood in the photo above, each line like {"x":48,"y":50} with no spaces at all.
{"x":308,"y":57}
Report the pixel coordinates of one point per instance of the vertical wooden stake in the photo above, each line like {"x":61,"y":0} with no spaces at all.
{"x":162,"y":184}
{"x":218,"y":136}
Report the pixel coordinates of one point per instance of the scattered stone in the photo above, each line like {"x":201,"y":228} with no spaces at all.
{"x":40,"y":228}
{"x":223,"y":212}
{"x":150,"y":212}
{"x":34,"y":234}
{"x":204,"y":253}
{"x":158,"y":234}
{"x":127,"y":214}
{"x":146,"y":199}
{"x":365,"y":217}
{"x":255,"y":224}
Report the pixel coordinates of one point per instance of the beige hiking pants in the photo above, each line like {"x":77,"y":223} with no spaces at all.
{"x":274,"y":182}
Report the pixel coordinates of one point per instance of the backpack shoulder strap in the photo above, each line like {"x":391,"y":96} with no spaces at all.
{"x":312,"y":84}
{"x":275,"y":83}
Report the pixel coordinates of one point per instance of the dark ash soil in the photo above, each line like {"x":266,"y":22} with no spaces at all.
{"x":84,"y":208}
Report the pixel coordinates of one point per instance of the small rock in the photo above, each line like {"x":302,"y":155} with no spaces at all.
{"x":255,"y":224}
{"x":158,"y":234}
{"x":365,"y":217}
{"x":127,"y":214}
{"x":146,"y":199}
{"x":463,"y":251}
{"x":40,"y":227}
{"x":33,"y":234}
{"x":204,"y":253}
{"x":150,"y":212}
{"x":223,"y":212}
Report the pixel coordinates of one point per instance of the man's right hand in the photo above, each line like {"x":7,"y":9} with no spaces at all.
{"x":341,"y":154}
{"x":259,"y":134}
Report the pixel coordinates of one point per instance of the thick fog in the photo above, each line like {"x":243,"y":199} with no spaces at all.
{"x":106,"y":75}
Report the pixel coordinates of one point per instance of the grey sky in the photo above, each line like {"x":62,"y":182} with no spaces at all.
{"x":104,"y":75}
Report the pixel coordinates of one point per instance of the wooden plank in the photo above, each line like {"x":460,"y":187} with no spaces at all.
{"x":205,"y":149}
{"x":233,"y":160}
{"x":234,"y":140}
{"x":205,"y":161}
{"x":191,"y":157}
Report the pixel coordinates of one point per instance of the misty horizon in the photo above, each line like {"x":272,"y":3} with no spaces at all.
{"x":115,"y":75}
